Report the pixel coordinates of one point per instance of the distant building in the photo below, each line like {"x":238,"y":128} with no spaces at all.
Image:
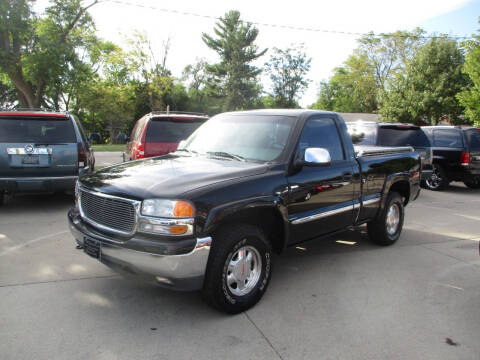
{"x":360,"y":116}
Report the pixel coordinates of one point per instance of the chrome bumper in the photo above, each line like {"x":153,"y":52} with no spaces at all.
{"x":180,"y":272}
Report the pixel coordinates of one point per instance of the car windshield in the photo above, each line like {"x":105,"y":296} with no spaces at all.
{"x":170,"y":130}
{"x":362,"y":134}
{"x":251,"y":137}
{"x":37,"y":130}
{"x":399,"y":136}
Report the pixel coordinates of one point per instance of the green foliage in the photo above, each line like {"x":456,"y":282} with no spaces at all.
{"x":470,"y":97}
{"x":363,"y":82}
{"x":234,"y":78}
{"x":426,"y":90}
{"x":39,"y":54}
{"x":288,"y":70}
{"x":352,"y":88}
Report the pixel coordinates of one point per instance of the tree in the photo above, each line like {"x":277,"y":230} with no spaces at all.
{"x":235,"y":79}
{"x":35,"y":52}
{"x":288,"y":69}
{"x":352,"y":88}
{"x":470,"y":97}
{"x":427,"y":89}
{"x":389,"y":53}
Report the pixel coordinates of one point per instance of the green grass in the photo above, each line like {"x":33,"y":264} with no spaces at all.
{"x":108,"y":147}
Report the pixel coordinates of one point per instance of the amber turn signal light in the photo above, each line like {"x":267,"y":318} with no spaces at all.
{"x":183,"y":209}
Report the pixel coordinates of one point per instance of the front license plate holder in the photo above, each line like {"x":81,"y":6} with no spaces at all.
{"x":91,"y":247}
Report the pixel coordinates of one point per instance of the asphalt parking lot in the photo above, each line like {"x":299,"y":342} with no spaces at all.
{"x":341,"y":298}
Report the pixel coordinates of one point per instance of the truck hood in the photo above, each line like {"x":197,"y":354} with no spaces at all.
{"x":167,"y":176}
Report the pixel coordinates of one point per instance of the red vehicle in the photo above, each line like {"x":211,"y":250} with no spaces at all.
{"x":159,"y":133}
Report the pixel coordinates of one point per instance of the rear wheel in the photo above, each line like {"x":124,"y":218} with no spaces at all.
{"x":238,"y":270}
{"x":473,"y":184}
{"x":387,"y":227}
{"x":438,"y":180}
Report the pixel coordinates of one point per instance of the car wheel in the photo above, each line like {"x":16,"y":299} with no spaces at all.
{"x":473,"y":184}
{"x":387,"y":227}
{"x":2,"y":198}
{"x":438,"y":180}
{"x":238,"y":270}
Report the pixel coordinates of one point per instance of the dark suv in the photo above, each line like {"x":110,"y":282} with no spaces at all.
{"x":159,"y":133}
{"x":393,"y":134}
{"x":456,"y":156}
{"x":41,"y":151}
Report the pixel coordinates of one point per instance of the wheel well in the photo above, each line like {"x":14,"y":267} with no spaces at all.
{"x":269,"y":220}
{"x":403,"y":188}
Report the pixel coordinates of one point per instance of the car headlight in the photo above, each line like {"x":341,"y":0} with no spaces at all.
{"x":167,"y":217}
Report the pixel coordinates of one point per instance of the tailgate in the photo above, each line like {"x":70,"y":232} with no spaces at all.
{"x":29,"y":160}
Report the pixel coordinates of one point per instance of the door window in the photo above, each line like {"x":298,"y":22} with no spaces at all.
{"x":322,"y":133}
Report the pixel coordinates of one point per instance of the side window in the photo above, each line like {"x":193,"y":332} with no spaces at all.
{"x":80,"y":129}
{"x":322,"y":133}
{"x":447,"y":138}
{"x":139,"y":129}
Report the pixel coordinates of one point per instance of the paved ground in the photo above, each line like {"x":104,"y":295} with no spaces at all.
{"x":107,"y":158}
{"x":418,"y":299}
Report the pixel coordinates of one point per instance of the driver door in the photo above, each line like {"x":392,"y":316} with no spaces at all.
{"x":321,"y":197}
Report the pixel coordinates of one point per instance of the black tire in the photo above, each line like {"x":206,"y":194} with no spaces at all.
{"x":473,"y":184}
{"x":2,"y":198}
{"x":226,"y":243}
{"x":438,"y":180}
{"x":378,"y":229}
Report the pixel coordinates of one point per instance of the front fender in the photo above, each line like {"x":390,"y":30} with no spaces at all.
{"x":248,"y":210}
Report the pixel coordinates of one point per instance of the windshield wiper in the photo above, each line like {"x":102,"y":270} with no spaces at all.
{"x":227,"y":155}
{"x":186,"y":150}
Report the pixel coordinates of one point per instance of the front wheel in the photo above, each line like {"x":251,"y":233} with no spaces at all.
{"x":387,"y":227}
{"x":438,"y":180}
{"x":473,"y":184}
{"x":238,"y":270}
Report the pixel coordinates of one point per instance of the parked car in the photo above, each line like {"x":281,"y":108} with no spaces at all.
{"x":95,"y":138}
{"x":456,"y":156}
{"x":41,"y":151}
{"x":393,"y":134}
{"x":159,"y":133}
{"x":245,"y":184}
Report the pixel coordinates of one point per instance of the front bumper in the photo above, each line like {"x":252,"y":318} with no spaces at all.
{"x":37,"y":184}
{"x":176,"y":271}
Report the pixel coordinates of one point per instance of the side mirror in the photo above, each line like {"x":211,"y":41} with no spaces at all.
{"x":181,"y":144}
{"x":317,"y":157}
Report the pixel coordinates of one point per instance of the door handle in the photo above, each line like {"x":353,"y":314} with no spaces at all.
{"x":347,"y":176}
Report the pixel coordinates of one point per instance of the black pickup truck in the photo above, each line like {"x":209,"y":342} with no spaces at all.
{"x":244,"y":186}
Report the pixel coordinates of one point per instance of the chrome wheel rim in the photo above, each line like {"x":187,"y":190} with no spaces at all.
{"x":393,"y":219}
{"x":244,"y":267}
{"x":435,"y":179}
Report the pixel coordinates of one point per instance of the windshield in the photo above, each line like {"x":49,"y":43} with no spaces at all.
{"x":362,"y":134}
{"x":170,"y":131}
{"x":253,"y":137}
{"x":397,"y":136}
{"x":37,"y":130}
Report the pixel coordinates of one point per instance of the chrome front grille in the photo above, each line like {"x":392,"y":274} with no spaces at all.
{"x":108,"y":212}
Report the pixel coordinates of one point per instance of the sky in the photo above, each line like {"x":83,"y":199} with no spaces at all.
{"x":117,"y":20}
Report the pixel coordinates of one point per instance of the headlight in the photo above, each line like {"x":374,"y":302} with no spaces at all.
{"x":167,"y":208}
{"x":167,"y":217}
